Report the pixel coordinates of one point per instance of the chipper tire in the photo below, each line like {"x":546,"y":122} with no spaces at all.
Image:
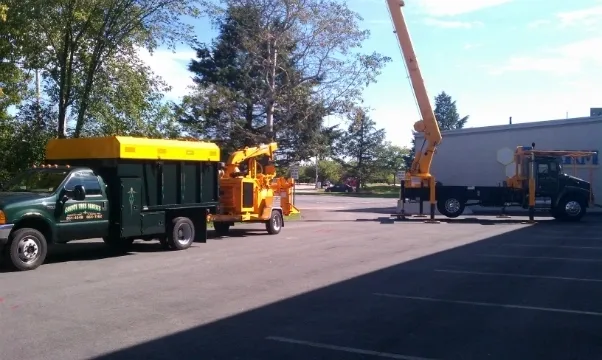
{"x":182,"y":234}
{"x":274,"y":225}
{"x":26,"y":249}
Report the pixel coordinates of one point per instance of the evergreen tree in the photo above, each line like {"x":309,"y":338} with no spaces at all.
{"x":447,"y":117}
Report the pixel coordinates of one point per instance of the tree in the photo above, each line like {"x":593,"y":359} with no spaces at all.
{"x":13,"y":80}
{"x":446,"y":113}
{"x":361,"y":144}
{"x":127,"y":100}
{"x":327,"y":170}
{"x":391,"y":160}
{"x":276,"y":69}
{"x":74,"y":39}
{"x":447,"y":117}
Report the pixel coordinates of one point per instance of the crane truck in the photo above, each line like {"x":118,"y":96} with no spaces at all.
{"x":539,"y":181}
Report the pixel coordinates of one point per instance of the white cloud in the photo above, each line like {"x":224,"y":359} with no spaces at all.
{"x":456,"y":7}
{"x":470,"y":46}
{"x":589,"y":18}
{"x":447,"y":24}
{"x":538,"y":23}
{"x":173,"y":68}
{"x":584,"y":17}
{"x":567,"y":59}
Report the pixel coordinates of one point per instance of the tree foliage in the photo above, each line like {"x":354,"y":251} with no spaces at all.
{"x":72,"y":41}
{"x":391,"y":159}
{"x":361,"y":144}
{"x":276,"y":70}
{"x":447,"y":114}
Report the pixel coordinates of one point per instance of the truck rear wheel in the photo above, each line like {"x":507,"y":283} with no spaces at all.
{"x":26,"y":249}
{"x":182,"y":234}
{"x":571,"y":208}
{"x":451,"y":206}
{"x":274,"y":225}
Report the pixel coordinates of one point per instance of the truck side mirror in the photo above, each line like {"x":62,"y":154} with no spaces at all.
{"x":79,"y":192}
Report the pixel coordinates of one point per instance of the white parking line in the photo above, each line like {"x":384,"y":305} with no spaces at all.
{"x":516,"y":275}
{"x":345,"y":349}
{"x":539,"y":258}
{"x":572,"y":236}
{"x":555,"y":246}
{"x":476,"y":303}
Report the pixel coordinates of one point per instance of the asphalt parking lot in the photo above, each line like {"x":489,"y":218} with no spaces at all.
{"x":343,"y":284}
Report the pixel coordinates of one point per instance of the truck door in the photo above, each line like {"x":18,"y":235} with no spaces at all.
{"x":83,"y":219}
{"x":547,"y":178}
{"x":131,"y":202}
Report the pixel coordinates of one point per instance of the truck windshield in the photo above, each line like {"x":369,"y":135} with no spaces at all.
{"x":36,"y":180}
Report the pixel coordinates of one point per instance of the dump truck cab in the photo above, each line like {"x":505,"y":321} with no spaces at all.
{"x":64,"y":203}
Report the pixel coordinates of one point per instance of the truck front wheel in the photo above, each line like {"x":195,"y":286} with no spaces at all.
{"x":571,"y":208}
{"x":26,"y":249}
{"x":182,"y":234}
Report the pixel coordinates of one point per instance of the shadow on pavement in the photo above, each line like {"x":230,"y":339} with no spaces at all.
{"x":518,"y":295}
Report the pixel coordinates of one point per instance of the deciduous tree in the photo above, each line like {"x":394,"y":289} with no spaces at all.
{"x":76,"y":38}
{"x":359,"y":148}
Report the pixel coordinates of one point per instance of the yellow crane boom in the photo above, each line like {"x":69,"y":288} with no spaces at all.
{"x":421,"y":164}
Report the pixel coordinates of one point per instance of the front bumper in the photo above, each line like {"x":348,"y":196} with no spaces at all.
{"x":5,"y":232}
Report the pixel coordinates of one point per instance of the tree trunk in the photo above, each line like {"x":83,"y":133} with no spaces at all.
{"x":272,"y":90}
{"x":64,"y":85}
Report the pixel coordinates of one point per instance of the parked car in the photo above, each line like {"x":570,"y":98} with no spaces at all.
{"x":339,"y":188}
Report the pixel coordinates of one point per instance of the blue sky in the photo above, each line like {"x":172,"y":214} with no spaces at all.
{"x":530,"y":59}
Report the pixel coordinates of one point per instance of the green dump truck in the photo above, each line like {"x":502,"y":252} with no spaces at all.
{"x":116,"y":188}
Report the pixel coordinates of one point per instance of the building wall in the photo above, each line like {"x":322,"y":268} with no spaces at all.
{"x":479,"y":156}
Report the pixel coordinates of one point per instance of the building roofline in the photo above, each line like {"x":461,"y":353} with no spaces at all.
{"x":520,"y":126}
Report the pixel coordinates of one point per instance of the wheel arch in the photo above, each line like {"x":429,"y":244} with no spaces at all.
{"x":38,"y":222}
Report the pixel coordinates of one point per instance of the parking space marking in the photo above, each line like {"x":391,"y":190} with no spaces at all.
{"x":540,"y":258}
{"x":477,"y":303}
{"x":555,"y":246}
{"x":562,"y":237}
{"x":345,"y":349}
{"x":450,"y":271}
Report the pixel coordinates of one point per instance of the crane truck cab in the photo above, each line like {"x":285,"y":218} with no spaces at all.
{"x":566,"y":196}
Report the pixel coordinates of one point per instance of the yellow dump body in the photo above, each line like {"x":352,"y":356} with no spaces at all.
{"x":126,"y":147}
